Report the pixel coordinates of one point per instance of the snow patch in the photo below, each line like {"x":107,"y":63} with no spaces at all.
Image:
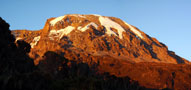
{"x":35,"y":41}
{"x":96,"y":15}
{"x":60,"y":33}
{"x":87,"y":26}
{"x":58,"y":19}
{"x":108,"y":24}
{"x":18,"y":38}
{"x":53,"y":22}
{"x":79,"y":27}
{"x":78,"y":15}
{"x":134,"y":30}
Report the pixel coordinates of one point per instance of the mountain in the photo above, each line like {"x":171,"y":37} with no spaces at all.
{"x":103,"y":52}
{"x":87,"y":37}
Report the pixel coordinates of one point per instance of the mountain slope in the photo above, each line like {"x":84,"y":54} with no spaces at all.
{"x":97,"y":36}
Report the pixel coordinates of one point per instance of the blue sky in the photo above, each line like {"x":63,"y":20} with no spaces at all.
{"x":167,"y":20}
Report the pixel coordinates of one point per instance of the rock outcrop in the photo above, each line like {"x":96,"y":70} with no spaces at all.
{"x":16,"y":67}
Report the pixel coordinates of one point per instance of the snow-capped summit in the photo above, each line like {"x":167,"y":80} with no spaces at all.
{"x":102,"y":21}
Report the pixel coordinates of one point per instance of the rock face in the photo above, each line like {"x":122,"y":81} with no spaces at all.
{"x":87,"y":37}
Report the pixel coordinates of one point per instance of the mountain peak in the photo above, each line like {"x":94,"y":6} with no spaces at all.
{"x":84,"y":22}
